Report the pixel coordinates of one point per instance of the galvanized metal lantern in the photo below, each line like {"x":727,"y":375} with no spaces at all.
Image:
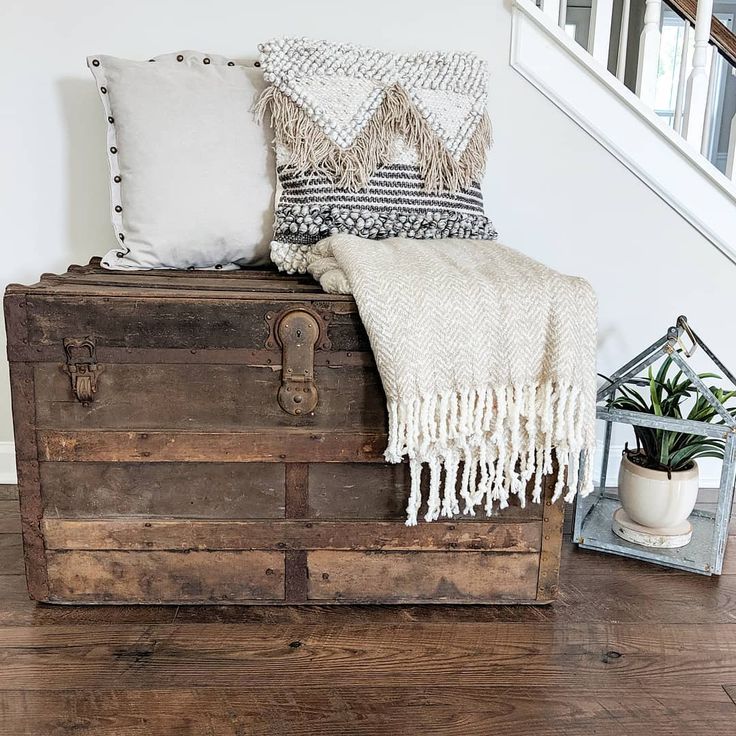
{"x":594,"y":516}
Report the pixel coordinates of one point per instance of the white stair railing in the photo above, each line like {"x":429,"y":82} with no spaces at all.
{"x":697,"y":90}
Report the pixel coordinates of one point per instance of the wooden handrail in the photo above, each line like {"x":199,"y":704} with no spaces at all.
{"x":721,"y":37}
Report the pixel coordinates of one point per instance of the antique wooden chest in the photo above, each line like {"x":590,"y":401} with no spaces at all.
{"x":194,"y":437}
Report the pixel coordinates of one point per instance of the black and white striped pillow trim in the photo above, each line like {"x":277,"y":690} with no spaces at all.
{"x":307,"y":224}
{"x":394,"y":203}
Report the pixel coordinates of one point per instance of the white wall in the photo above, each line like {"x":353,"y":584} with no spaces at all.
{"x":552,"y":191}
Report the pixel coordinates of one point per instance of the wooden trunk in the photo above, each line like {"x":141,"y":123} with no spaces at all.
{"x":168,"y":452}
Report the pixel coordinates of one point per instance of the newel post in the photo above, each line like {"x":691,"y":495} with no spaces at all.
{"x":646,"y":71}
{"x":696,"y":99}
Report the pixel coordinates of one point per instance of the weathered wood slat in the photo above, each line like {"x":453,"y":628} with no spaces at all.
{"x":296,"y":576}
{"x":551,"y":550}
{"x":292,"y":445}
{"x":207,"y":397}
{"x":191,"y":489}
{"x":68,"y":290}
{"x":191,"y":534}
{"x":357,"y":491}
{"x":166,"y":577}
{"x":416,"y":576}
{"x":22,"y":389}
{"x":380,"y":491}
{"x":296,"y":287}
{"x":297,"y":490}
{"x":247,"y":357}
{"x":230,"y":321}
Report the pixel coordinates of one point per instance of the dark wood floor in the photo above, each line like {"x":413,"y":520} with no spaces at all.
{"x":628,"y":649}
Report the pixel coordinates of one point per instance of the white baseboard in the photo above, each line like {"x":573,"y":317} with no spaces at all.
{"x":8,"y":475}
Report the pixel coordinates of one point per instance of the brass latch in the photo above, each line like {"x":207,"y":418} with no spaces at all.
{"x":82,"y":367}
{"x":298,"y":333}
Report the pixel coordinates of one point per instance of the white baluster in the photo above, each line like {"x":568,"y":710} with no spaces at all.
{"x":599,"y":34}
{"x":731,"y":161}
{"x":697,"y":85}
{"x":623,"y":40}
{"x":552,"y":9}
{"x":682,"y":80}
{"x":648,"y":64}
{"x":710,"y":101}
{"x":563,"y":14}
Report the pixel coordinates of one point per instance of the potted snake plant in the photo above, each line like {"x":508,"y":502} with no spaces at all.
{"x":659,"y":480}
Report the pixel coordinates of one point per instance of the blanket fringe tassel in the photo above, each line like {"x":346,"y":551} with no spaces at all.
{"x":484,"y":445}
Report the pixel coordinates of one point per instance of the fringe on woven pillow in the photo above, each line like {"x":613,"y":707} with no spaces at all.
{"x":502,"y":437}
{"x":309,"y":149}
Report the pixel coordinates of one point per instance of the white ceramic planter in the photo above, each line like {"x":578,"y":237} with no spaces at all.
{"x":652,"y":499}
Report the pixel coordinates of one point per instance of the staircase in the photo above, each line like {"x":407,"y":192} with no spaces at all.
{"x":654,"y":83}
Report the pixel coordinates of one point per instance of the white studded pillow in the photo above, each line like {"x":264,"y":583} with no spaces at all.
{"x":191,"y":176}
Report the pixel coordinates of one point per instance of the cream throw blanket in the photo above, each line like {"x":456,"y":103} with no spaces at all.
{"x":487,"y":359}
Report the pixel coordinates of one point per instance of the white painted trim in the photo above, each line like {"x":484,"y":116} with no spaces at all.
{"x":8,"y":475}
{"x":599,"y":33}
{"x":585,"y":90}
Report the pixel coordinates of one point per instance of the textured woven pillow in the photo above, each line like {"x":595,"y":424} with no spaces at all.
{"x":190,"y":170}
{"x":374,"y":144}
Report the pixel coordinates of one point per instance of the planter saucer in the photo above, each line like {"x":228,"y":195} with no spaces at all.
{"x":669,"y":538}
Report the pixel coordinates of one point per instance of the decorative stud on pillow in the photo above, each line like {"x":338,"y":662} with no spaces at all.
{"x":190,"y":171}
{"x":374,"y":144}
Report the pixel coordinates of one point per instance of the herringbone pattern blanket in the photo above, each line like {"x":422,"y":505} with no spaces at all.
{"x":487,"y":359}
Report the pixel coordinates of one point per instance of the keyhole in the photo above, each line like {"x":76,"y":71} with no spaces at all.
{"x":298,"y":333}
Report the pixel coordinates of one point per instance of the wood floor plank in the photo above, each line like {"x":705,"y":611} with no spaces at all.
{"x":527,"y":656}
{"x":367,"y":711}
